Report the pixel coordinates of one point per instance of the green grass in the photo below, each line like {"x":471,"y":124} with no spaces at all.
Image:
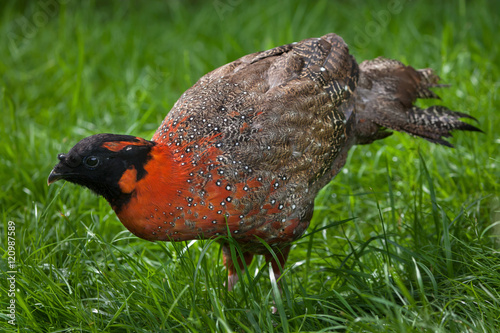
{"x":405,"y":238}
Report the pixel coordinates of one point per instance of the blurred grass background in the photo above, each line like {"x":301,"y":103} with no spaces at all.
{"x":410,"y":230}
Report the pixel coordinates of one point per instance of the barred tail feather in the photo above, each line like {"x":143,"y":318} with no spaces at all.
{"x":437,"y":122}
{"x":386,"y":93}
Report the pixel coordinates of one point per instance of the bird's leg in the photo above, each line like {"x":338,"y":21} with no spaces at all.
{"x":231,"y":269}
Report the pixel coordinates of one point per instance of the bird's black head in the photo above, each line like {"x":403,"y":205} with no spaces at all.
{"x":99,"y":162}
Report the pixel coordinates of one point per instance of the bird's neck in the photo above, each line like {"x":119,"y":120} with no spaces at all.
{"x":144,"y":204}
{"x":178,"y":198}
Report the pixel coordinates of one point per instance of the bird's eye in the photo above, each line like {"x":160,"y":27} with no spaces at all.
{"x":91,"y":161}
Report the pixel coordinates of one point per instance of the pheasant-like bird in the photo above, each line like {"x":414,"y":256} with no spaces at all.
{"x":244,"y":152}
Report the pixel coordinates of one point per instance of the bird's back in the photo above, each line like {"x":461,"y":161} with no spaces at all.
{"x":276,"y":124}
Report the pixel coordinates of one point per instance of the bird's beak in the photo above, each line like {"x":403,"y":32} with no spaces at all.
{"x":54,"y":176}
{"x":59,"y":170}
